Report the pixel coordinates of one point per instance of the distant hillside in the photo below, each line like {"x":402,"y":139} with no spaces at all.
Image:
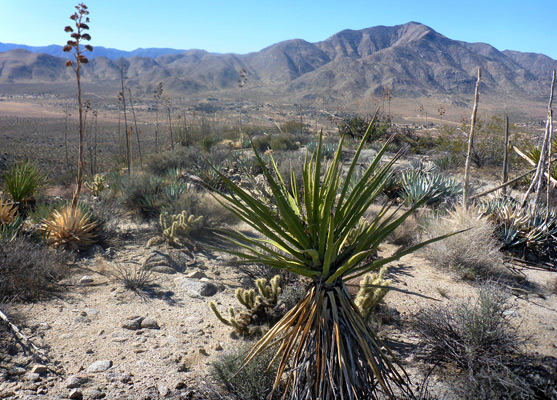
{"x":410,"y":60}
{"x":112,"y":54}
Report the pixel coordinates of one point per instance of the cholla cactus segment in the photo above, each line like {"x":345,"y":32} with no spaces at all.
{"x":372,"y":291}
{"x":178,"y":227}
{"x":269,"y":294}
{"x":97,"y":185}
{"x":246,"y":297}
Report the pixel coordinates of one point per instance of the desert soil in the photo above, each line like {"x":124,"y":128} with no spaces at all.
{"x":170,"y":355}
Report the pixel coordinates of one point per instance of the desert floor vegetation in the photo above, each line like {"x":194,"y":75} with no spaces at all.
{"x":214,"y":257}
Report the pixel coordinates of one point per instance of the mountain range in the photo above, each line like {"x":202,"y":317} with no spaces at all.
{"x":410,"y":60}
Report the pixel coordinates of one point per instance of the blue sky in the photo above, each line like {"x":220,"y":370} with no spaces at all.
{"x":242,"y":27}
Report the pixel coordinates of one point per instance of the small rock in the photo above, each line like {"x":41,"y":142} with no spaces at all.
{"x":163,"y":269}
{"x":93,"y":393}
{"x":31,"y":377}
{"x":95,"y":250}
{"x":203,"y":352}
{"x":218,"y":347}
{"x":149,"y":323}
{"x":86,"y":280}
{"x":133,"y":323}
{"x":110,"y":252}
{"x":75,"y":381}
{"x":42,"y":390}
{"x":100,"y":366}
{"x":196,"y":275}
{"x":39,"y":369}
{"x":163,"y":390}
{"x":75,"y":394}
{"x":89,"y":351}
{"x":180,"y":385}
{"x":209,"y":289}
{"x":196,"y":289}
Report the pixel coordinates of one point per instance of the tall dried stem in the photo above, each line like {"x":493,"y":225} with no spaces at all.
{"x":73,"y":46}
{"x":466,"y":195}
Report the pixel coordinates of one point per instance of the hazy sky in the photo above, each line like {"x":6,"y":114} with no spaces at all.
{"x":245,"y":26}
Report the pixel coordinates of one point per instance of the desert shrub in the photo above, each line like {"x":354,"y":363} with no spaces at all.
{"x":356,"y":126}
{"x":479,"y":338}
{"x":474,"y":251}
{"x":29,"y":271}
{"x":180,"y":158}
{"x":292,"y":127}
{"x":281,"y":142}
{"x":215,"y":215}
{"x":253,"y":382}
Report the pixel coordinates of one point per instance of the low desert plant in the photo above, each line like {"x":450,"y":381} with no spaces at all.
{"x":373,"y":288}
{"x":97,"y":185}
{"x":307,"y":233}
{"x":177,"y":228}
{"x":22,"y":181}
{"x":475,"y":251}
{"x":133,"y":277}
{"x":434,"y":187}
{"x":258,"y":307}
{"x":8,"y":212}
{"x":70,"y":228}
{"x":480,"y":338}
{"x":519,"y":229}
{"x":29,"y":271}
{"x":253,"y":382}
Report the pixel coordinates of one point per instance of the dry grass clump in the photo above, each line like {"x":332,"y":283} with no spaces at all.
{"x":479,"y":338}
{"x":474,"y":251}
{"x":29,"y":271}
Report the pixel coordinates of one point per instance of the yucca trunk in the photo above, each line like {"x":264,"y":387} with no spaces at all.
{"x":327,"y":350}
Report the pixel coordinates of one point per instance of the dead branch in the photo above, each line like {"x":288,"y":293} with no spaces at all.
{"x":22,"y":339}
{"x":471,"y":141}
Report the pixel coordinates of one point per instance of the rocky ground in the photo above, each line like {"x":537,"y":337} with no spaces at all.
{"x":102,"y":340}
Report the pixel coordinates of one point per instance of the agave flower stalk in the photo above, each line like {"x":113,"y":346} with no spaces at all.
{"x":326,"y":349}
{"x":81,"y":19}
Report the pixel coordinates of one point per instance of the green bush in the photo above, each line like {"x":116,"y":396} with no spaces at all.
{"x":253,"y":382}
{"x":281,"y":142}
{"x":183,"y":158}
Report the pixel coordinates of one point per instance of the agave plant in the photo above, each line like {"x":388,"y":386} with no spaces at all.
{"x":326,"y":349}
{"x":22,"y":181}
{"x":431,"y":185}
{"x":70,"y":228}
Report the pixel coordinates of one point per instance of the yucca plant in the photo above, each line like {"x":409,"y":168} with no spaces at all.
{"x":22,"y":181}
{"x":70,"y":228}
{"x":326,"y":349}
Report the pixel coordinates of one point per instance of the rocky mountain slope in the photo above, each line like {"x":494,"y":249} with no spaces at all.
{"x":410,"y":60}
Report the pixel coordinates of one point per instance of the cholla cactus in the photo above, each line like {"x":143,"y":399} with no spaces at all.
{"x":257,"y":307}
{"x":97,"y":185}
{"x":178,"y":227}
{"x":372,"y":291}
